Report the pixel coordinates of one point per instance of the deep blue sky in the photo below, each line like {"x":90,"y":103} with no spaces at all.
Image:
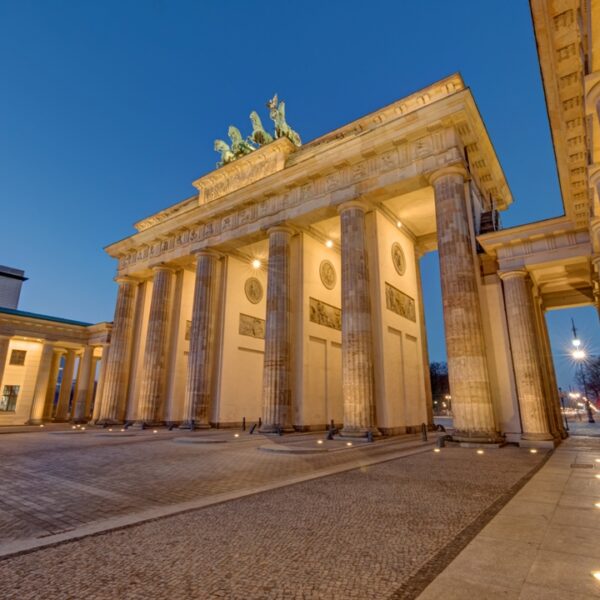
{"x":109,"y":110}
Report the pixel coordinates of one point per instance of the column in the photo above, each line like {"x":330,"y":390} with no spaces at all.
{"x":78,"y":414}
{"x":4,"y":344}
{"x":150,"y":400}
{"x":467,"y":363}
{"x":91,"y":384}
{"x":277,"y":388}
{"x":596,"y":282}
{"x":526,"y":355}
{"x":357,"y":334}
{"x":114,"y":396}
{"x":100,"y":387}
{"x":62,"y":408}
{"x":51,"y":389}
{"x":41,"y":385}
{"x":198,"y":390}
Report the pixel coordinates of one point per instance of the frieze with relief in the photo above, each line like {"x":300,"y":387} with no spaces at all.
{"x":400,"y":303}
{"x":252,"y":326}
{"x":398,"y":258}
{"x":325,"y":314}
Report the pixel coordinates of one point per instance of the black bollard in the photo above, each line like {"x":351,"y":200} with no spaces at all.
{"x":369,"y":436}
{"x":423,"y":432}
{"x":259,"y":422}
{"x":243,"y":423}
{"x":252,"y":429}
{"x":330,"y":434}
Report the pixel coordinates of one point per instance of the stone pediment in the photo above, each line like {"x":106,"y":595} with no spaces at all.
{"x":257,"y":165}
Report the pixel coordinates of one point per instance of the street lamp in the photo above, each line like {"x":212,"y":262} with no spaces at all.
{"x":578,"y":354}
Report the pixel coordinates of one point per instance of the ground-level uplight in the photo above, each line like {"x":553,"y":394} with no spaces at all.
{"x":154,"y":431}
{"x":597,"y":505}
{"x":236,"y":435}
{"x":596,"y":575}
{"x":480,"y":451}
{"x":436,"y":450}
{"x":348,"y":443}
{"x":319,"y":441}
{"x":533,"y":451}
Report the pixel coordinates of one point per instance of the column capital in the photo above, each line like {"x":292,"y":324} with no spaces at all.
{"x":281,"y":229}
{"x":513,"y":274}
{"x":360,"y":204}
{"x":208,"y":252}
{"x":163,"y":267}
{"x":125,"y":279}
{"x":455,"y":169}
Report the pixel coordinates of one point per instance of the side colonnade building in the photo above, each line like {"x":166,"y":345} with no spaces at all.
{"x":288,"y":288}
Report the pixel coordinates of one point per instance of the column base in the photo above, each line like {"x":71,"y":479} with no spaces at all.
{"x":192,"y":425}
{"x":529,"y":443}
{"x":477,"y":437}
{"x":140,"y":425}
{"x":35,"y":422}
{"x":108,"y":422}
{"x":274,"y":428}
{"x":359,"y":432}
{"x":80,"y":421}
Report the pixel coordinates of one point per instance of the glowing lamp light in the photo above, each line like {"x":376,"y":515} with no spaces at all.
{"x":348,"y":443}
{"x":479,"y":451}
{"x":122,"y":429}
{"x":398,"y":224}
{"x":73,"y":427}
{"x":256,"y":263}
{"x":83,"y":429}
{"x":319,"y":441}
{"x":597,"y":505}
{"x":236,"y":435}
{"x":598,"y":460}
{"x":329,"y":243}
{"x":578,"y":354}
{"x":437,"y":450}
{"x":597,"y":476}
{"x":596,"y":575}
{"x":576,"y":343}
{"x":42,"y":425}
{"x":110,"y":429}
{"x":154,"y":431}
{"x":533,"y":451}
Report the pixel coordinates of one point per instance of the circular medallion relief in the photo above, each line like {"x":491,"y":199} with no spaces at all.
{"x":398,"y":258}
{"x":254,"y":290}
{"x":327,"y":273}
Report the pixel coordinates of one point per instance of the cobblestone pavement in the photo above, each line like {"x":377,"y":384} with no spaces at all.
{"x":382,"y":531}
{"x":55,"y":482}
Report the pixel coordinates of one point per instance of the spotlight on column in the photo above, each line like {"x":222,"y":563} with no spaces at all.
{"x":329,"y":243}
{"x":256,"y":263}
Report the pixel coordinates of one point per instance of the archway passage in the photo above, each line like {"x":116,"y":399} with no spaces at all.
{"x":576,"y":356}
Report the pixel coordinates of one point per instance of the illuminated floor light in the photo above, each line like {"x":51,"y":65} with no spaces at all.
{"x":436,"y":450}
{"x":598,"y":476}
{"x":73,"y":427}
{"x":236,"y":435}
{"x":479,"y":451}
{"x":122,"y":429}
{"x":319,"y":441}
{"x":597,"y":505}
{"x":329,"y":243}
{"x":154,"y":431}
{"x":348,"y":443}
{"x":256,"y":263}
{"x":83,"y":429}
{"x":596,"y":575}
{"x":598,"y":460}
{"x":533,"y":451}
{"x":42,"y":425}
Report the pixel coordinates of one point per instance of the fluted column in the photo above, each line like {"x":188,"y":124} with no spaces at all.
{"x":526,"y":355}
{"x":91,"y":386}
{"x":114,"y":397}
{"x":596,"y":281}
{"x":66,"y":384}
{"x":4,"y":343}
{"x":36,"y":415}
{"x":357,"y":329}
{"x":153,"y":370}
{"x":467,"y":363}
{"x":83,"y":378}
{"x":51,"y":389}
{"x":198,"y":391}
{"x":277,"y":388}
{"x":100,"y":387}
